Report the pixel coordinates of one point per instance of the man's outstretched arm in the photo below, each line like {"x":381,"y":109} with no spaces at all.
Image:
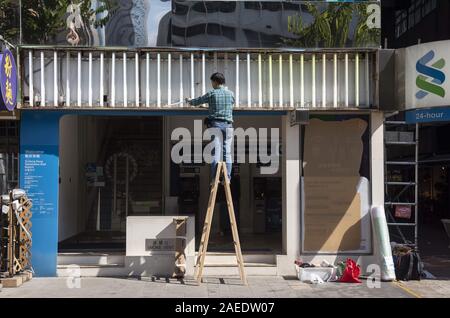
{"x":199,"y":100}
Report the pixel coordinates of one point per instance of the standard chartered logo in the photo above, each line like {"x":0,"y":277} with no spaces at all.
{"x":430,"y":78}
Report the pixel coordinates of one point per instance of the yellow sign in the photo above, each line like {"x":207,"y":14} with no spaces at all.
{"x":9,"y":94}
{"x":8,"y":66}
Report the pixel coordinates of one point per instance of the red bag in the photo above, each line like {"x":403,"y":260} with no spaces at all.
{"x":351,"y":272}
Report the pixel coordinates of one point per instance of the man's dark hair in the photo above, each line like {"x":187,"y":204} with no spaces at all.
{"x":218,"y":78}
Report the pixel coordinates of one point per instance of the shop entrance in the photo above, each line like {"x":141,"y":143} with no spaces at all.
{"x":257,"y":197}
{"x":110,"y":168}
{"x":434,"y":199}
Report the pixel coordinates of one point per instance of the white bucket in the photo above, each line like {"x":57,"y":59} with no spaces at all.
{"x":310,"y":274}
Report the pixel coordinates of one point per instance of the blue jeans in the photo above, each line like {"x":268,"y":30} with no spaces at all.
{"x":223,"y":145}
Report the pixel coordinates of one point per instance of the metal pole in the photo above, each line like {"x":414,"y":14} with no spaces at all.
{"x":126,"y":185}
{"x":98,"y":209}
{"x":416,"y":192}
{"x":115,"y":186}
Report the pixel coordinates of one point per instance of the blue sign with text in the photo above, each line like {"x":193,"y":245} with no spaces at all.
{"x":430,"y":115}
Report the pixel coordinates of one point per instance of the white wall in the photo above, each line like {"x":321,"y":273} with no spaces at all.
{"x":69,"y":176}
{"x":80,"y":141}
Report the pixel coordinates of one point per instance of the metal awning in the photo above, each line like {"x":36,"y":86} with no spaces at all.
{"x":161,"y":78}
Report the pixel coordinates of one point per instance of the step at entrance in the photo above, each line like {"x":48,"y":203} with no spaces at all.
{"x":92,"y":264}
{"x":224,"y":264}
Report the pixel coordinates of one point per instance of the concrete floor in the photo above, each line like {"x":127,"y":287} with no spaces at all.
{"x":259,"y":287}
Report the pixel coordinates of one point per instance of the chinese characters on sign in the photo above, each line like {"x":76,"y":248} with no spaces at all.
{"x":160,"y":245}
{"x":8,"y":81}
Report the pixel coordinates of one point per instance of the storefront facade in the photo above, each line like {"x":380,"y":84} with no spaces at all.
{"x":335,"y":147}
{"x":98,"y":129}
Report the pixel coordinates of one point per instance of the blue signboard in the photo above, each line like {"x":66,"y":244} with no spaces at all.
{"x":8,"y":81}
{"x":39,"y":165}
{"x":429,"y":115}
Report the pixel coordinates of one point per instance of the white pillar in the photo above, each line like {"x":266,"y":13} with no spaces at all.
{"x":377,"y":157}
{"x":291,"y":178}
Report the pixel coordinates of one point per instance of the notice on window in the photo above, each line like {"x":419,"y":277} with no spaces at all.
{"x":335,"y":195}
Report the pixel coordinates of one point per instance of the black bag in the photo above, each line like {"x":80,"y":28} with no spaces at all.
{"x":408,"y":266}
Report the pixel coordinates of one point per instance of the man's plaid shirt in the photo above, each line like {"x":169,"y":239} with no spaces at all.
{"x":220,"y":101}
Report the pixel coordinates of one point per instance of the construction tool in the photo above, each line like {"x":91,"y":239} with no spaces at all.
{"x":221,"y":169}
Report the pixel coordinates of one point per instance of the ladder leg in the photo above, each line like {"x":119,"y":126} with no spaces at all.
{"x":234,"y":231}
{"x":207,"y":216}
{"x":207,"y":227}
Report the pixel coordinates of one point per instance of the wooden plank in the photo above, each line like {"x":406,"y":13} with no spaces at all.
{"x":11,"y":282}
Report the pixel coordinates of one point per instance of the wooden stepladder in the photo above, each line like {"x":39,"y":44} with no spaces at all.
{"x":221,"y":169}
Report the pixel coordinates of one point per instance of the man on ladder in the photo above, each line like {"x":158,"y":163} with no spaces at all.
{"x":220,"y":102}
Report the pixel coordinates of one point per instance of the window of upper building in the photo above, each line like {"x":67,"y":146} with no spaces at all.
{"x":407,"y":19}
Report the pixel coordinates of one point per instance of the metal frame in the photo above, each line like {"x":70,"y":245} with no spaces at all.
{"x":272,"y":90}
{"x":405,"y":184}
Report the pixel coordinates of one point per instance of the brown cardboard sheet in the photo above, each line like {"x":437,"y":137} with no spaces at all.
{"x":332,"y":159}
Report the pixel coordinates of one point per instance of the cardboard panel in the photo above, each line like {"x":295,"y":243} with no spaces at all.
{"x":332,"y":207}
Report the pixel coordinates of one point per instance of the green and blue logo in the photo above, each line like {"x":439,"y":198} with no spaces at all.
{"x":427,"y":73}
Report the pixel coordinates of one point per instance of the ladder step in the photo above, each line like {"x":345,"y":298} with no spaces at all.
{"x":401,"y":143}
{"x":400,"y":183}
{"x":401,"y":163}
{"x":395,"y":122}
{"x":401,"y":224}
{"x":400,"y":203}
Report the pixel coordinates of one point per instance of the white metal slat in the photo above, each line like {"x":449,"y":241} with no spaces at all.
{"x":30,"y":78}
{"x":313,"y":80}
{"x":181,"y":81}
{"x":90,"y":81}
{"x":291,"y":82}
{"x":169,"y":79}
{"x":324,"y":80}
{"x":55,"y":78}
{"x":147,"y":79}
{"x":335,"y":80}
{"x":192,"y":77}
{"x":270,"y":82}
{"x":346,"y":81}
{"x":237,"y":103}
{"x":125,"y":84}
{"x":203,"y":74}
{"x":249,"y":83}
{"x":68,"y":61}
{"x":260,"y":101}
{"x":302,"y":80}
{"x":79,"y":80}
{"x":367,"y":79}
{"x":136,"y":76}
{"x":113,"y":79}
{"x":158,"y":80}
{"x":356,"y":80}
{"x":102,"y":89}
{"x":42,"y":79}
{"x":280,"y":81}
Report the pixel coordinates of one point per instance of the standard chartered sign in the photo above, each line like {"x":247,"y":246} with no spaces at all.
{"x":426,"y":73}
